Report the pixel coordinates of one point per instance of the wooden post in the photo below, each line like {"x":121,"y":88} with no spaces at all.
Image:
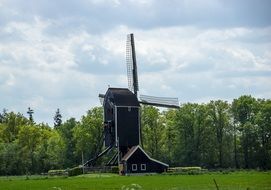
{"x":83,"y":162}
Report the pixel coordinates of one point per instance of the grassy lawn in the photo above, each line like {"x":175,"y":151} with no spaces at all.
{"x":231,"y":181}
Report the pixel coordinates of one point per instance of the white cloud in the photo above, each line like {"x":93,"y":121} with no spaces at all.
{"x":64,"y":60}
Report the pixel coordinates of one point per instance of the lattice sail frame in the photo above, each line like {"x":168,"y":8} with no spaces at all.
{"x":159,"y":101}
{"x":131,"y":64}
{"x":133,"y":79}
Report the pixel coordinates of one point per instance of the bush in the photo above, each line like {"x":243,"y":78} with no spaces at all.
{"x":115,"y":169}
{"x":57,"y":172}
{"x":186,"y":170}
{"x":75,"y":171}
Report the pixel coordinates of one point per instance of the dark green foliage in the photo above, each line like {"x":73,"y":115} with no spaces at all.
{"x":216,"y":135}
{"x":3,"y":115}
{"x":115,"y":169}
{"x":1,"y":118}
{"x":186,"y":171}
{"x":57,"y":173}
{"x":263,"y":130}
{"x":66,"y":132}
{"x":28,"y":148}
{"x":195,"y":137}
{"x":152,"y":131}
{"x":88,"y":134}
{"x":9,"y":158}
{"x":75,"y":171}
{"x":57,"y":119}
{"x":220,"y":122}
{"x":30,"y":112}
{"x":245,"y":110}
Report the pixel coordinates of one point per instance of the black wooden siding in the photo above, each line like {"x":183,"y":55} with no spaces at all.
{"x":128,"y":126}
{"x":140,"y":158}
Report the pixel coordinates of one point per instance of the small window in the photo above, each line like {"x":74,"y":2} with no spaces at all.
{"x":143,"y":167}
{"x":134,"y":167}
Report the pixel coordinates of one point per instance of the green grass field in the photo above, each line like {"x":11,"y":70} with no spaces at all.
{"x":231,"y":181}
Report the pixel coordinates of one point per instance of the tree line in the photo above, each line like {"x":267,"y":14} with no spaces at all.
{"x":217,"y":134}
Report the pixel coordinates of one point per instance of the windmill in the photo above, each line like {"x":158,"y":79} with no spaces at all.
{"x":122,"y":121}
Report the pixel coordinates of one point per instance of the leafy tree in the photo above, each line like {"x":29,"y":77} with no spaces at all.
{"x":11,"y":124}
{"x":244,"y":110}
{"x":195,"y":134}
{"x":49,"y":152}
{"x":170,"y":136}
{"x":219,"y":113}
{"x":66,"y":132}
{"x":88,"y":134}
{"x":152,"y":130}
{"x":9,"y":159}
{"x":28,"y":139}
{"x":55,"y":150}
{"x":263,"y":122}
{"x":185,"y":126}
{"x":195,"y":137}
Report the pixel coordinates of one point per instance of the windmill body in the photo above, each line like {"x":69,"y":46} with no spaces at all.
{"x":121,"y":118}
{"x":122,"y":121}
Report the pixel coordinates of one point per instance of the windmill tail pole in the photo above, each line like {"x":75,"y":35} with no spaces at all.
{"x":216,"y":185}
{"x":92,"y":161}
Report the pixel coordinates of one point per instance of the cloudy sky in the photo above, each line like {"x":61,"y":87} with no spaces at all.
{"x":62,"y":54}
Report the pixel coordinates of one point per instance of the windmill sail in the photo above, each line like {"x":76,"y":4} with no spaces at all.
{"x":159,"y":101}
{"x":131,"y":64}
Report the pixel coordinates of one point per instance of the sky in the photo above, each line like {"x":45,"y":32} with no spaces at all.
{"x":62,"y":54}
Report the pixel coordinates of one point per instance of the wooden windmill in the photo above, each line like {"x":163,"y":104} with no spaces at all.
{"x":122,"y":121}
